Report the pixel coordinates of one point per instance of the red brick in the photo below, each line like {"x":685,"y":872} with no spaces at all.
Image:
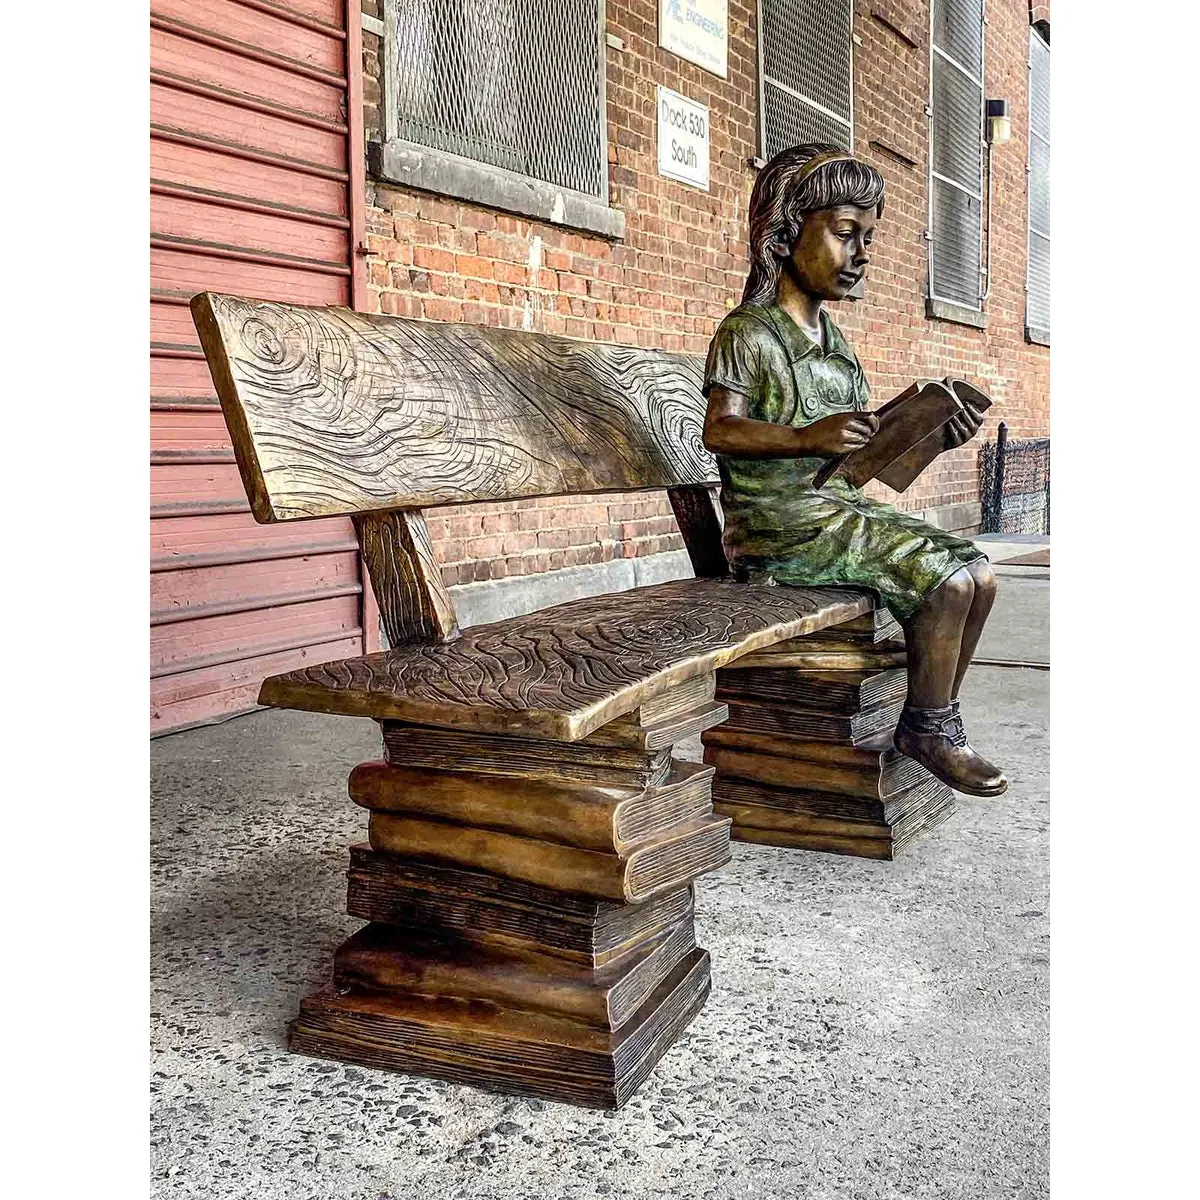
{"x":442,"y":212}
{"x":481,"y":289}
{"x":681,"y":265}
{"x":494,"y":245}
{"x":433,"y":259}
{"x":436,"y":309}
{"x":478,"y":218}
{"x":472,"y":265}
{"x":396,"y":304}
{"x":507,"y":272}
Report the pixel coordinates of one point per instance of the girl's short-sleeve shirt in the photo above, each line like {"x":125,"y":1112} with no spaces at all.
{"x":787,"y":379}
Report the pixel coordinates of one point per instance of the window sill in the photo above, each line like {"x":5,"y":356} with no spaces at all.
{"x":958,"y":314}
{"x":448,"y":175}
{"x":1038,"y":337}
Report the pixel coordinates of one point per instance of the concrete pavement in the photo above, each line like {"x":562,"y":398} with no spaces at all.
{"x":876,"y":1031}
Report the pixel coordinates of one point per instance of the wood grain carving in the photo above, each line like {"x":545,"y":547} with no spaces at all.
{"x":333,"y":411}
{"x":561,"y":673}
{"x":414,"y":604}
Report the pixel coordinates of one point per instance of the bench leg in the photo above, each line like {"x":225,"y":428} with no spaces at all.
{"x":806,"y":758}
{"x":534,"y":965}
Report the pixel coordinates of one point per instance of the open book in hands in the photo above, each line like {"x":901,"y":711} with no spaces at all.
{"x":910,"y":436}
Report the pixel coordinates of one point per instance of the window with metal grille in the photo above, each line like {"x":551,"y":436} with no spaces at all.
{"x":956,"y":151}
{"x":805,"y":73}
{"x":500,"y":101}
{"x":1037,"y":272}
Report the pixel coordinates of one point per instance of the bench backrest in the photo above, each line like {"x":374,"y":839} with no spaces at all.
{"x":334,"y":412}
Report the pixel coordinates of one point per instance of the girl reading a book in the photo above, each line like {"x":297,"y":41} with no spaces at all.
{"x":785,"y":394}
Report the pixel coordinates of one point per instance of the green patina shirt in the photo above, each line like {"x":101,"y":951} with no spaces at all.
{"x":776,"y":522}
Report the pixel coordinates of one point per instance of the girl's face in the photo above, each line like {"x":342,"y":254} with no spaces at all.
{"x":830,"y":255}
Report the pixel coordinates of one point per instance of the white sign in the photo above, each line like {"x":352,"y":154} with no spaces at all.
{"x":697,"y":30}
{"x":682,"y":138}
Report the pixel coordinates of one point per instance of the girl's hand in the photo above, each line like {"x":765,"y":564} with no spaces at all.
{"x":839,"y":434}
{"x":962,"y":427}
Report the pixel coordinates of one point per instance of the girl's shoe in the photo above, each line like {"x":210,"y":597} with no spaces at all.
{"x":935,"y":738}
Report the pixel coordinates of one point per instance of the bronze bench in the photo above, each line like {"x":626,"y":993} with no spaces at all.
{"x":532,"y":840}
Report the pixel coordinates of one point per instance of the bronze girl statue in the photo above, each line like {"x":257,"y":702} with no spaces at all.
{"x":786,"y":393}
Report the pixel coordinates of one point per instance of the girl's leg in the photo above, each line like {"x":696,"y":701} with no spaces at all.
{"x":981,"y":606}
{"x":934,"y":637}
{"x":940,"y":638}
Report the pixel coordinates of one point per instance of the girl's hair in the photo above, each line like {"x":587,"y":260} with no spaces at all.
{"x":778,"y":205}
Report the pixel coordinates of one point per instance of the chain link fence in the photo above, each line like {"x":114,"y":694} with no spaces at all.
{"x":1014,"y":484}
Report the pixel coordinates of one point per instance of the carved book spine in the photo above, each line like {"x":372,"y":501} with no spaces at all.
{"x":645,"y":870}
{"x":381,"y":957}
{"x":906,"y":816}
{"x":871,"y":780}
{"x":804,"y":723}
{"x":847,"y":693}
{"x":498,"y":754}
{"x":823,"y":657}
{"x":684,"y":697}
{"x":661,"y":735}
{"x":493,"y":910}
{"x":829,"y":806}
{"x":608,"y":819}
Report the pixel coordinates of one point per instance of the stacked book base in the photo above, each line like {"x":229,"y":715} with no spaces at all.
{"x":777,"y":816}
{"x":806,"y":758}
{"x":530,"y":910}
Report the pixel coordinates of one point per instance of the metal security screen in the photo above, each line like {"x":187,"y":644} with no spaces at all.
{"x":956,"y":151}
{"x":805,"y":73}
{"x":515,"y":84}
{"x":1037,"y":282}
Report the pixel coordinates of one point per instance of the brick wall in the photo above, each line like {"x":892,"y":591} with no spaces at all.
{"x":681,"y":265}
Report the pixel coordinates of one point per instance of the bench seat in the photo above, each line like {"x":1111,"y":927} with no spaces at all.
{"x":563,"y":672}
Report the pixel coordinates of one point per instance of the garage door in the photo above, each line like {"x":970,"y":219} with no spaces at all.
{"x":256,"y":188}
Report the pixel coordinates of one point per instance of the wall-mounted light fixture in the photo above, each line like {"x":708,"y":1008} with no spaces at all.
{"x":999,"y":123}
{"x":998,"y":130}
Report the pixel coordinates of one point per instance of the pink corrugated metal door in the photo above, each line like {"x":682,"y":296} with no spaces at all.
{"x":256,"y":188}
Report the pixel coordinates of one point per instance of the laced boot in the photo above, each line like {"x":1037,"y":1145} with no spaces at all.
{"x":935,"y":738}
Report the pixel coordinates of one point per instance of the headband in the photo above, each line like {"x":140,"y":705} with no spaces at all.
{"x":820,"y":160}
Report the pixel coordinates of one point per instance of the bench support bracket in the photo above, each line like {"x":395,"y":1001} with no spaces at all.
{"x":414,"y":605}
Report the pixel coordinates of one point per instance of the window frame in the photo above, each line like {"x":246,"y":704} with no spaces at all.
{"x":762,"y":83}
{"x":1037,"y":334}
{"x":411,"y":164}
{"x":942,"y":307}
